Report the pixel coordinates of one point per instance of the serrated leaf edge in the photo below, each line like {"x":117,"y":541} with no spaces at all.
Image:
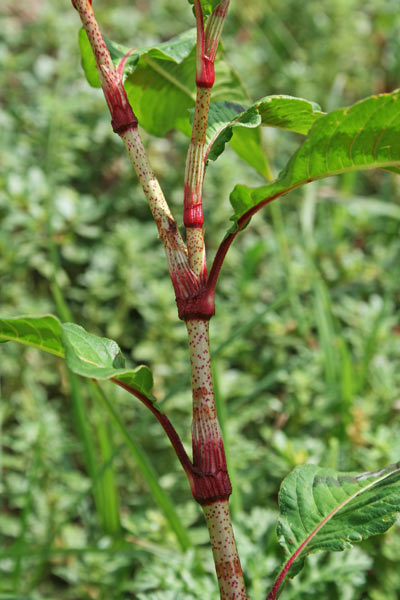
{"x":386,"y":472}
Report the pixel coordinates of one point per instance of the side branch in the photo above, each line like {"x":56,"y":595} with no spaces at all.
{"x":165,"y":424}
{"x":124,"y":123}
{"x":122,"y":115}
{"x":207,"y":44}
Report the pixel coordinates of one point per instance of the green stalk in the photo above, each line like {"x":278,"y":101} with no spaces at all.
{"x":107,"y":487}
{"x":125,"y":124}
{"x":226,"y":558}
{"x":193,"y":202}
{"x":187,"y":266}
{"x":298,"y":312}
{"x":27,"y":508}
{"x":64,"y":313}
{"x":193,"y":219}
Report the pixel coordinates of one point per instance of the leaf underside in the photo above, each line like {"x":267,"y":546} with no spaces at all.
{"x":227,"y":119}
{"x":284,"y":112}
{"x":321,"y":509}
{"x":86,"y":354}
{"x":363,"y":136}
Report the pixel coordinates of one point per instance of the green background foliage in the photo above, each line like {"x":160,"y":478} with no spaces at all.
{"x":305,"y":339}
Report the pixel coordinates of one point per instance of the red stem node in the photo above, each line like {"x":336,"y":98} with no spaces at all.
{"x":209,"y":487}
{"x":193,"y":216}
{"x":199,"y":306}
{"x":122,"y":115}
{"x":206,"y":77}
{"x":193,"y":211}
{"x":210,"y":474}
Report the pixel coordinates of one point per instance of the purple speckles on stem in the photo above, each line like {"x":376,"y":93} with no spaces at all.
{"x":122,"y":116}
{"x":75,"y":6}
{"x":227,"y":563}
{"x":211,"y":486}
{"x":208,"y":449}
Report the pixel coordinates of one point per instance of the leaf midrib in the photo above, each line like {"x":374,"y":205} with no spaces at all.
{"x":21,"y":341}
{"x":328,"y":517}
{"x":279,"y":183}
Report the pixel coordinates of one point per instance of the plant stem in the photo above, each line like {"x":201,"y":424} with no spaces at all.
{"x":193,"y":203}
{"x":208,"y":448}
{"x":193,"y":219}
{"x":183,"y":279}
{"x":125,"y":123}
{"x":208,"y":474}
{"x":211,"y":487}
{"x":226,"y":558}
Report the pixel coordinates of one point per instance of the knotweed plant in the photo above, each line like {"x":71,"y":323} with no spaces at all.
{"x":320,"y":509}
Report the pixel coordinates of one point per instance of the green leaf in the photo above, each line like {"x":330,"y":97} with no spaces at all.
{"x":284,"y":112}
{"x":363,"y":136}
{"x":174,"y":50}
{"x":40,"y":332}
{"x":86,"y":354}
{"x":161,"y":92}
{"x":117,"y":53}
{"x":160,"y":80}
{"x":100,"y":358}
{"x":207,"y":6}
{"x":321,"y":509}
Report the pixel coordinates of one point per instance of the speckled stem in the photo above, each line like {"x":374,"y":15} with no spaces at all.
{"x":211,"y":485}
{"x":186,"y":283}
{"x":184,"y":280}
{"x":101,"y":53}
{"x":122,"y":115}
{"x":226,"y":558}
{"x":193,"y":204}
{"x":207,"y":44}
{"x":208,"y":448}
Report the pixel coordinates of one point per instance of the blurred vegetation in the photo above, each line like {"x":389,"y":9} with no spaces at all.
{"x":306,"y":337}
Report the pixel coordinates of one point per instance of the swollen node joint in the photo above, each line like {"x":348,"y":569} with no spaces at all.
{"x":122,"y":117}
{"x":206,"y":77}
{"x":210,"y":487}
{"x":193,"y":216}
{"x":200,"y":306}
{"x":120,"y":128}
